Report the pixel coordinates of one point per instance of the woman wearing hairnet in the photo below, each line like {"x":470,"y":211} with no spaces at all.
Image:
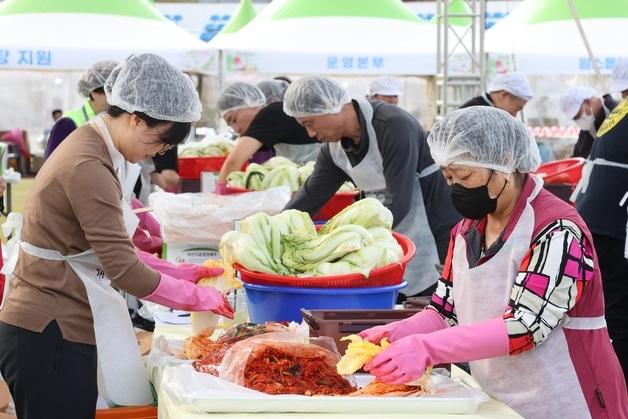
{"x":521,"y":295}
{"x":244,"y":108}
{"x":63,"y":321}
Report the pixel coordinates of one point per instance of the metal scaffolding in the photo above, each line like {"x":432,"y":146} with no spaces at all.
{"x":461,"y":61}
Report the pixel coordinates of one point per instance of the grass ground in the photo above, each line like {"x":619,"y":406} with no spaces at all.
{"x":19,"y":193}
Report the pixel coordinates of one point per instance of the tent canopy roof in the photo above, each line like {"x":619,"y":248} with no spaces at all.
{"x":73,"y":34}
{"x":539,"y":11}
{"x":131,"y":8}
{"x":544,"y":38}
{"x":386,"y":9}
{"x":240,"y":18}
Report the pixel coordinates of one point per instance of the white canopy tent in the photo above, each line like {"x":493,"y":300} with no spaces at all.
{"x":44,"y":45}
{"x":544,"y":37}
{"x":73,"y":34}
{"x":332,"y":37}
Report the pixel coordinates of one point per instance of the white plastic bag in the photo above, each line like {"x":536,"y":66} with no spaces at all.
{"x":203,"y":218}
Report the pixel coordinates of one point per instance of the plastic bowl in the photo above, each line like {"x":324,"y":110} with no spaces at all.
{"x":386,"y":275}
{"x":190,"y":168}
{"x":567,"y":171}
{"x":272,"y":303}
{"x":336,"y":203}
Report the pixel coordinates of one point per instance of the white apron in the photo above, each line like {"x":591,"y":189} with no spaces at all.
{"x":147,"y":169}
{"x":298,"y":153}
{"x":624,"y":201}
{"x":368,"y":176}
{"x":122,"y":378}
{"x":540,"y":383}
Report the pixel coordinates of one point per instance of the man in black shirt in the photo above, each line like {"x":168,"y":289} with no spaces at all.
{"x":509,"y":92}
{"x":588,"y":111}
{"x":383,"y":150}
{"x":243,"y":107}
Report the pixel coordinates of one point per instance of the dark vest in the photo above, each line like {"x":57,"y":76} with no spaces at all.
{"x":599,"y":206}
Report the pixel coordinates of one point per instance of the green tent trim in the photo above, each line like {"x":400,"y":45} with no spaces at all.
{"x":385,"y":9}
{"x":240,"y":18}
{"x":541,"y":11}
{"x":132,"y":8}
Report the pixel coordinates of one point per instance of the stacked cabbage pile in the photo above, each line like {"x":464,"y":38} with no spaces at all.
{"x":216,"y":147}
{"x":277,"y":171}
{"x":356,"y":240}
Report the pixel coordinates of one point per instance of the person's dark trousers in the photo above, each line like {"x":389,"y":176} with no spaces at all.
{"x":614,"y":267}
{"x":48,"y":377}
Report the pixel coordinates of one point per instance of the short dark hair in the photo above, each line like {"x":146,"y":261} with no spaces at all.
{"x":284,"y":78}
{"x":174,"y":135}
{"x":54,"y":111}
{"x":100,"y":90}
{"x":519,"y":179}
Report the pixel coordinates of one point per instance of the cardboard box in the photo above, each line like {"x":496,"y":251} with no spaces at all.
{"x":189,"y":253}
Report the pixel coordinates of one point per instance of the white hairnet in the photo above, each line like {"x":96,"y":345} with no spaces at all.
{"x":95,"y":76}
{"x":274,"y":90}
{"x":572,"y":98}
{"x":314,"y":95}
{"x":514,"y":83}
{"x":385,"y":86}
{"x":484,"y":136}
{"x":240,"y":95}
{"x":149,"y":84}
{"x":620,"y":76}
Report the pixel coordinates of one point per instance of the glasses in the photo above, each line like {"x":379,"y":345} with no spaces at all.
{"x":165,"y":148}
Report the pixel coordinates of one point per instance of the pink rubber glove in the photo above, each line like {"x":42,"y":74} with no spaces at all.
{"x":184,"y":271}
{"x":147,"y":243}
{"x":407,"y":359}
{"x":147,"y":236}
{"x":148,"y":221}
{"x":425,"y":321}
{"x":182,"y":295}
{"x":221,"y":189}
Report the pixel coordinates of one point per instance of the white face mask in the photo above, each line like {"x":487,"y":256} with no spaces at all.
{"x":586,"y":122}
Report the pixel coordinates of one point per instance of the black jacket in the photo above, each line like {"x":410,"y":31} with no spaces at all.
{"x":585,"y":139}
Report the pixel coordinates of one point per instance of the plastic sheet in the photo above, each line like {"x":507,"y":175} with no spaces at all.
{"x":196,"y":218}
{"x":196,"y":392}
{"x":238,"y":358}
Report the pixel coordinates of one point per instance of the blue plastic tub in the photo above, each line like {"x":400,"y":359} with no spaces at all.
{"x":271,"y":303}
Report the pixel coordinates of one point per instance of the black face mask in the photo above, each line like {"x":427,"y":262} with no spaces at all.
{"x":474,"y":203}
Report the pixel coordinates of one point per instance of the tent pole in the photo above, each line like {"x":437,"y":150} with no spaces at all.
{"x":576,"y":18}
{"x":221,"y":70}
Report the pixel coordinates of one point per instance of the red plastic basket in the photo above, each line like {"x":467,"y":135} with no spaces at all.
{"x":567,"y":171}
{"x":141,"y":412}
{"x":234,"y":190}
{"x":190,"y":168}
{"x":336,"y":203}
{"x":386,"y":275}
